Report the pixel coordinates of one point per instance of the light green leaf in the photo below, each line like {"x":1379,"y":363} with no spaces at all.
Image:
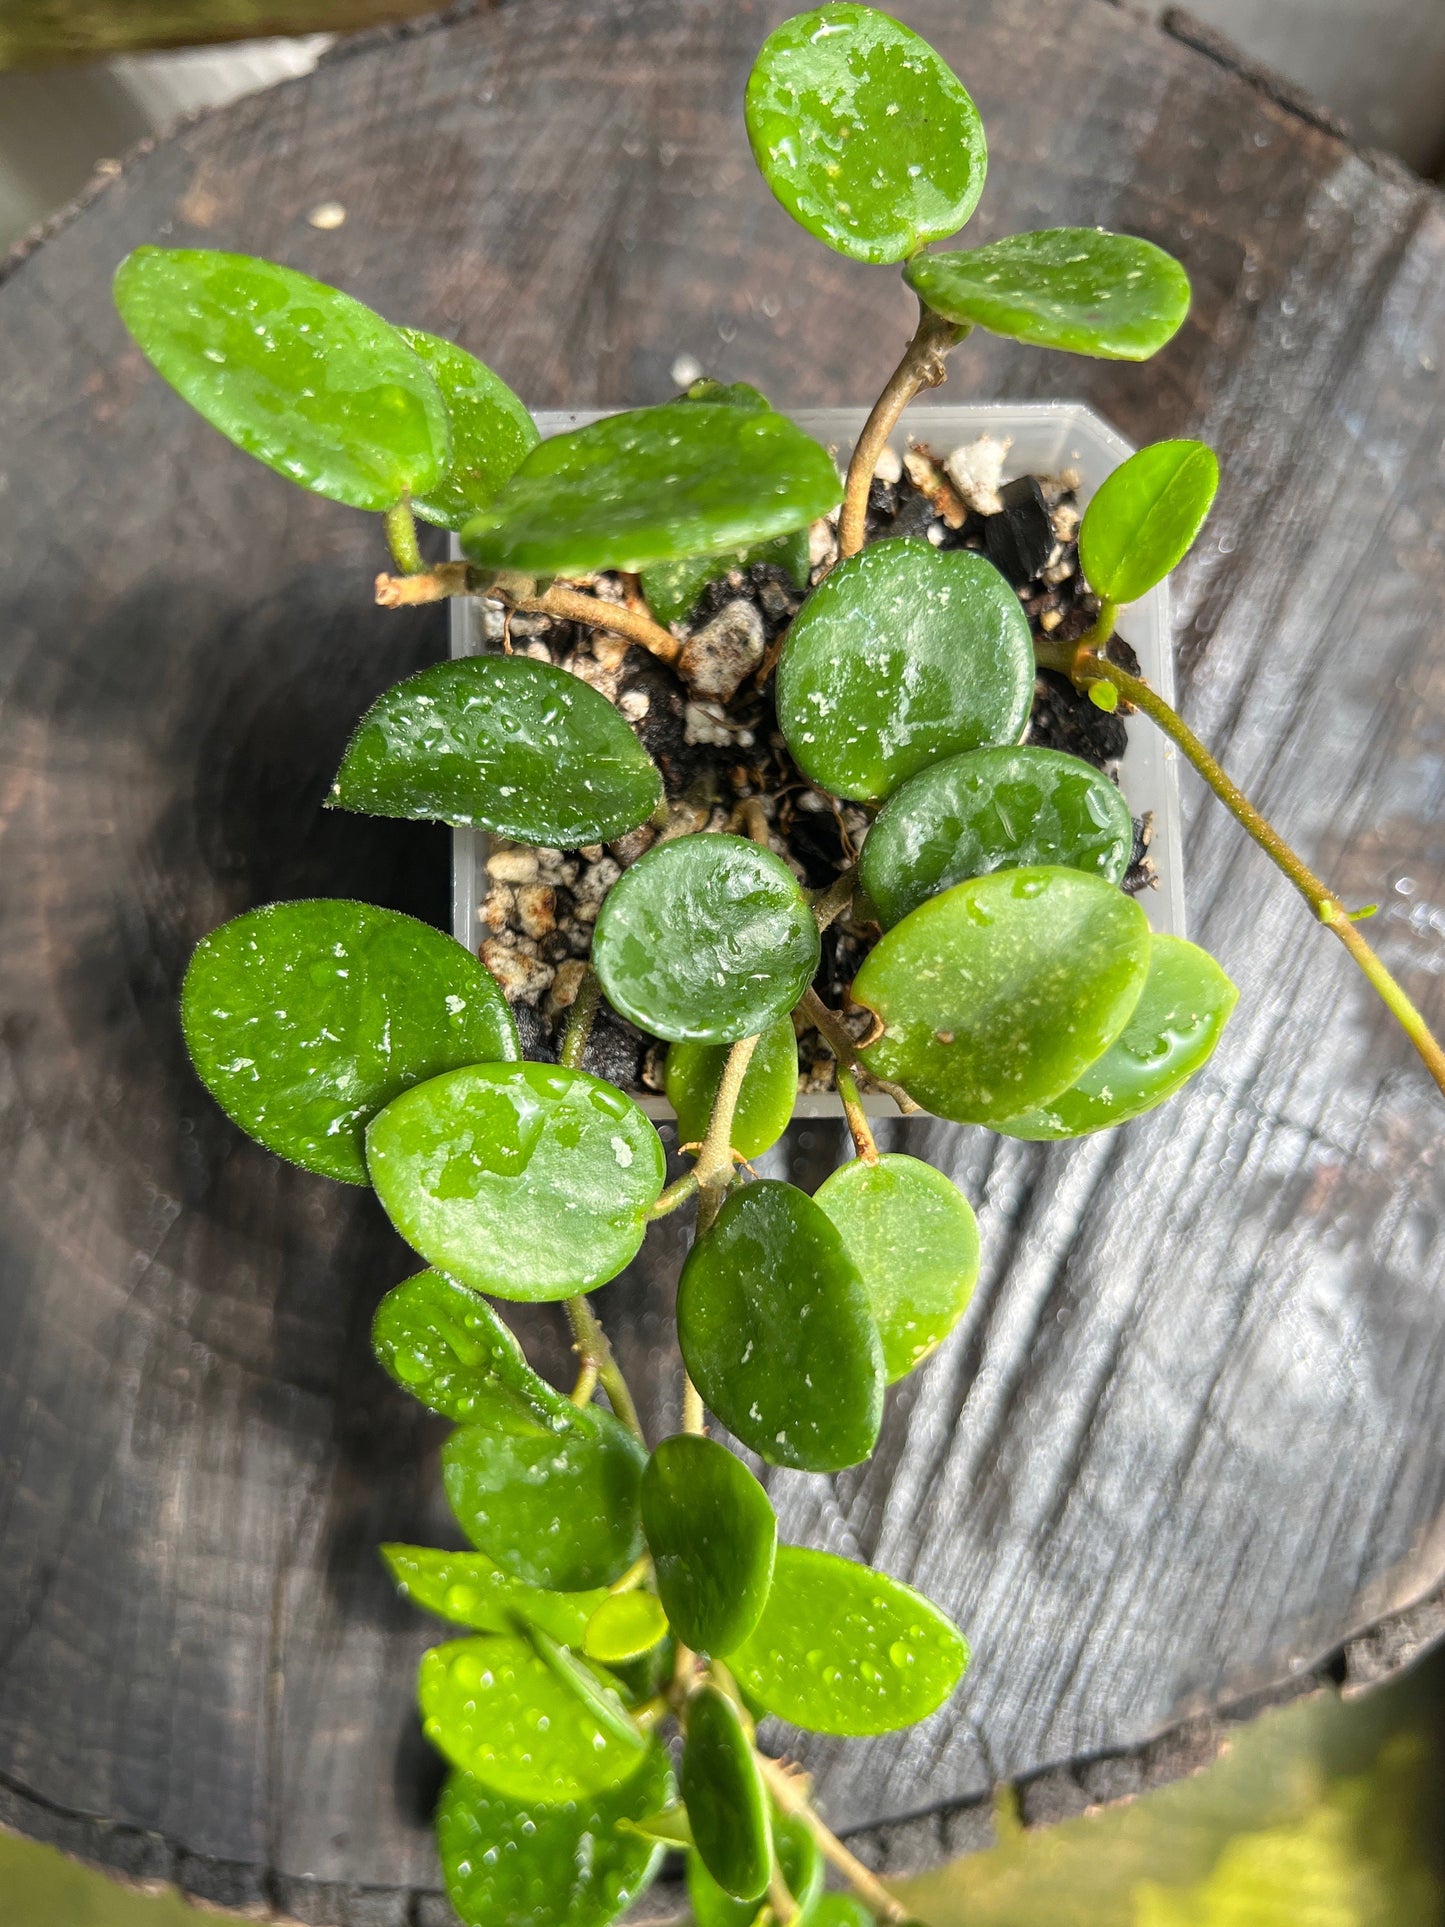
{"x":670,"y":1826}
{"x":722,"y":1789}
{"x":624,"y":1626}
{"x":491,"y":431}
{"x":769,"y":1089}
{"x":448,"y":1348}
{"x":472,"y":1590}
{"x":712,"y":1535}
{"x":1145,"y":516}
{"x":801,"y":1861}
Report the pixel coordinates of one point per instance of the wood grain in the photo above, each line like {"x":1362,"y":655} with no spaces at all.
{"x":1188,"y":1445}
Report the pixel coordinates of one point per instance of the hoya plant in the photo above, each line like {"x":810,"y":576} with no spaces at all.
{"x":626,"y":1615}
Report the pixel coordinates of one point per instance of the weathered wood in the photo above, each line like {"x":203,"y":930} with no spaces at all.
{"x":1188,"y":1443}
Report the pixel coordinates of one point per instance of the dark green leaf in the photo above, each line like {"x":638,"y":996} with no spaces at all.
{"x":1000,"y":993}
{"x":555,"y":1505}
{"x":840,"y":1649}
{"x":903,"y":654}
{"x":509,"y":1864}
{"x":914,"y":1238}
{"x":296,"y":373}
{"x":655,"y":485}
{"x":491,"y":431}
{"x":775,"y":1329}
{"x":624,"y":1626}
{"x":472,"y":1590}
{"x":448,"y":1348}
{"x":673,"y":589}
{"x":866,"y":137}
{"x":1079,"y":288}
{"x":722,"y":1789}
{"x":769,"y":1092}
{"x":712,"y":1536}
{"x":515,"y":746}
{"x":993,"y":809}
{"x":1172,"y":1031}
{"x":304,"y":1019}
{"x":706,"y":938}
{"x":1145,"y":516}
{"x":524,"y":1180}
{"x":802,"y":1864}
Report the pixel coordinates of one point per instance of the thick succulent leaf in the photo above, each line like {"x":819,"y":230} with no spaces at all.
{"x":624,"y":1626}
{"x":1171,"y":1033}
{"x":903,"y":654}
{"x":1000,"y":993}
{"x":304,"y":1019}
{"x":706,"y":938}
{"x":712,"y":1534}
{"x":914,"y":1238}
{"x":472,"y":1590}
{"x":799,"y":1857}
{"x":448,"y":1348}
{"x":497,"y":1710}
{"x":525,"y":1180}
{"x":298,"y":374}
{"x":513,"y":1864}
{"x":765,"y":1104}
{"x":727,"y":1804}
{"x":673,"y":589}
{"x":1145,"y":516}
{"x":841,"y":1649}
{"x":655,"y":485}
{"x":869,"y":141}
{"x":1080,"y":288}
{"x":555,"y":1505}
{"x":491,"y":431}
{"x":776,"y":1331}
{"x":508,"y":744}
{"x":993,"y":809}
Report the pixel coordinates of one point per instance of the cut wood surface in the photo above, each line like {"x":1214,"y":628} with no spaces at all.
{"x":1188,"y":1445}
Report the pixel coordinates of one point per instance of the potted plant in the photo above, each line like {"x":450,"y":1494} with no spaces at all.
{"x":982,"y":962}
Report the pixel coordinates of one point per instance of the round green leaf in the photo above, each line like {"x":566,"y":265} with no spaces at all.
{"x":840,"y":1649}
{"x":1000,"y":993}
{"x":555,"y":1505}
{"x":727,"y":1804}
{"x":776,"y":1331}
{"x":769,"y":1091}
{"x":705,"y":938}
{"x":869,"y":141}
{"x":472,"y":1590}
{"x":712,"y":1535}
{"x":993,"y":809}
{"x":801,"y":1860}
{"x":673,"y":589}
{"x":1172,"y":1031}
{"x":296,"y":373}
{"x":496,"y":1709}
{"x":655,"y":485}
{"x":510,"y":1864}
{"x":914,"y":1238}
{"x":491,"y":431}
{"x":304,"y":1019}
{"x":511,"y":745}
{"x":1080,"y":288}
{"x":624,"y":1626}
{"x":1145,"y":516}
{"x":448,"y":1348}
{"x":524,"y":1180}
{"x":903,"y":654}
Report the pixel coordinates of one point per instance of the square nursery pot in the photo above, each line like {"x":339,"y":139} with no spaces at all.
{"x":1047,"y":439}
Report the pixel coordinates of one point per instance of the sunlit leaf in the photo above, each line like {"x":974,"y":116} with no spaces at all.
{"x":769,"y":1089}
{"x":722,"y":1789}
{"x":491,"y":431}
{"x":1145,"y":516}
{"x":472,"y":1590}
{"x":802,"y":1864}
{"x":448,"y":1348}
{"x":624,"y":1626}
{"x":712,"y":1535}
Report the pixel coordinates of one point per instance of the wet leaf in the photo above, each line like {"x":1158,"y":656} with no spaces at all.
{"x":508,"y":744}
{"x":624,"y":1626}
{"x":903,"y":654}
{"x":802,"y":1864}
{"x":524,"y":1180}
{"x":776,"y":1331}
{"x":304,"y":1019}
{"x":868,"y":140}
{"x":769,"y":1092}
{"x":1171,"y":1033}
{"x":472,"y":1590}
{"x":1000,"y":993}
{"x":706,"y":938}
{"x":914,"y":1238}
{"x":296,"y":373}
{"x":491,"y":431}
{"x":722,"y":1789}
{"x":840,"y":1649}
{"x":655,"y":485}
{"x":993,"y":809}
{"x":1145,"y":516}
{"x":1079,"y":288}
{"x":674,"y":589}
{"x":712,"y":1535}
{"x":448,"y":1348}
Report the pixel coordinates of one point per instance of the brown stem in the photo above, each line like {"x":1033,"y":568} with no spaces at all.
{"x":831,"y":903}
{"x":432,"y":585}
{"x":836,"y":1035}
{"x":572,"y":606}
{"x":923,"y":366}
{"x":863,"y":1140}
{"x":790,"y":1790}
{"x":592,"y":1347}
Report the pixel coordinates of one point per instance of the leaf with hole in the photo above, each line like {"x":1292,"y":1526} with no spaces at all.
{"x":307,"y":380}
{"x":1144,"y":518}
{"x":865,"y":136}
{"x":472,"y":1590}
{"x":769,"y":1089}
{"x":712,"y":1534}
{"x":491,"y":431}
{"x":504,"y":743}
{"x":993,"y":809}
{"x":705,"y":939}
{"x":304,"y":1019}
{"x":448,"y":1348}
{"x":624,"y":1626}
{"x":902,"y":654}
{"x":722,"y":1789}
{"x":524,"y":1180}
{"x":801,"y":1861}
{"x":776,"y":1331}
{"x":1000,"y":993}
